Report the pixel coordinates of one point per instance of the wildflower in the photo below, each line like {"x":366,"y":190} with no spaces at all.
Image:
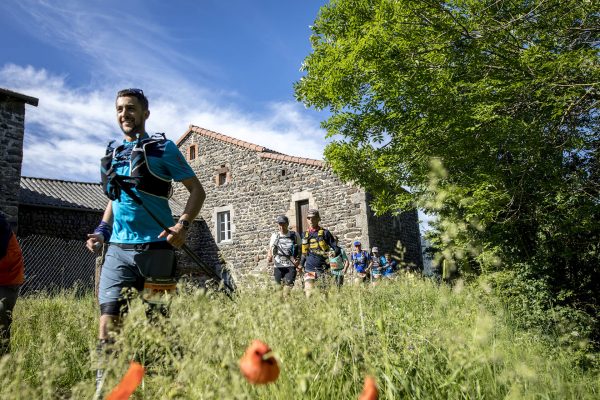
{"x":131,"y":380}
{"x":369,"y":391}
{"x":258,"y":364}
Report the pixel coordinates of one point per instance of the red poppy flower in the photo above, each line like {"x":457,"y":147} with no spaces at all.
{"x":258,"y":364}
{"x":131,"y":380}
{"x":369,"y":391}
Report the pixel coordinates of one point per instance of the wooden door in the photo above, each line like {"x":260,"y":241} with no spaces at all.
{"x":301,"y":212}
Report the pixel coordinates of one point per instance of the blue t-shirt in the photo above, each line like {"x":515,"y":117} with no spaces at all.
{"x":133,"y":224}
{"x":388,"y":268}
{"x":360,"y":260}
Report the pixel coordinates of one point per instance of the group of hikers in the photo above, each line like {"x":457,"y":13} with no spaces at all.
{"x":139,"y":249}
{"x":317,"y":254}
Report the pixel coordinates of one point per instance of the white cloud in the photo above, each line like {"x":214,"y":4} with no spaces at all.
{"x":67,"y":132}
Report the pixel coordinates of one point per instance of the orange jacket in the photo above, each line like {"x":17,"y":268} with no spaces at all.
{"x":11,"y":258}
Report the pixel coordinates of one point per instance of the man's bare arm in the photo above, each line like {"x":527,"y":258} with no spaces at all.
{"x":192,"y":208}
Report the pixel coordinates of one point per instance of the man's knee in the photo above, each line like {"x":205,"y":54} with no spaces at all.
{"x":110,"y":314}
{"x":114,"y":308}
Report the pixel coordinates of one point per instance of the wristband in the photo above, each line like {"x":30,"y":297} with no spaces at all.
{"x":105,"y":230}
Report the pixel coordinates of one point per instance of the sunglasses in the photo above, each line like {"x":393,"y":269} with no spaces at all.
{"x":129,"y":91}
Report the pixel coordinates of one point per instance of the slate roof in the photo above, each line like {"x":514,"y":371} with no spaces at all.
{"x":262,"y":151}
{"x":56,"y":193}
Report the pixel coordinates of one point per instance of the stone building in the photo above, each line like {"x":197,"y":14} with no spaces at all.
{"x":12,"y":130}
{"x":248,"y":185}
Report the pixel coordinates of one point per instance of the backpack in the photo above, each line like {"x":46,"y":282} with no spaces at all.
{"x":317,"y":245}
{"x":278,"y":251}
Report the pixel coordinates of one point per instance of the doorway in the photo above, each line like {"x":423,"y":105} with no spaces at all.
{"x":301,"y":212}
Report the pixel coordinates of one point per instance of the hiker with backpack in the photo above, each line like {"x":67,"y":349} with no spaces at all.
{"x":140,"y":251}
{"x":284,"y":248}
{"x":11,"y":278}
{"x":375,"y":266}
{"x":361,"y":260}
{"x":338,"y":265}
{"x":388,"y":266}
{"x":316,"y":245}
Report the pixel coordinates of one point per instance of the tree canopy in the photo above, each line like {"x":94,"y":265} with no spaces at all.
{"x":504,"y":93}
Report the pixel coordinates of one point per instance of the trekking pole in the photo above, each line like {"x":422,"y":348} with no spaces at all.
{"x":184,"y":247}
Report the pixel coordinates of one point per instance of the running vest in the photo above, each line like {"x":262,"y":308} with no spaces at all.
{"x":285,"y":247}
{"x":360,"y":260}
{"x":337,"y":263}
{"x":315,"y":245}
{"x":388,"y":267}
{"x":376,"y":266}
{"x":139,"y":171}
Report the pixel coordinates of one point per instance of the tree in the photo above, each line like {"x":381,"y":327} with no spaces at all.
{"x":503,"y":92}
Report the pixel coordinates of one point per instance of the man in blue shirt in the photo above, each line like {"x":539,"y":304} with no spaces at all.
{"x":388,"y":266}
{"x":361,"y":260}
{"x":139,"y":249}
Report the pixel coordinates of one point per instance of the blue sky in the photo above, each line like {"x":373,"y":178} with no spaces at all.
{"x":228,"y":66}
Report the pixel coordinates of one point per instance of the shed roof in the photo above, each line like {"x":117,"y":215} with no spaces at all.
{"x":56,"y":193}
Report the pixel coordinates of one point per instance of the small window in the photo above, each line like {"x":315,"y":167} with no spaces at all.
{"x":283,"y":172}
{"x":192,"y":152}
{"x":222,"y":178}
{"x":223,"y":226}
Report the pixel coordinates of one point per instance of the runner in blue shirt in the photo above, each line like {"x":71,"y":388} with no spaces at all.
{"x":139,"y":249}
{"x":360,"y":260}
{"x":388,"y":265}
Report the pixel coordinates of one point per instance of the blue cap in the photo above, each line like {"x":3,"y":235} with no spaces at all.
{"x":357,"y":243}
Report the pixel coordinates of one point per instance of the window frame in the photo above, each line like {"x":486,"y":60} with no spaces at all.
{"x":192,"y":150}
{"x":223,"y":234}
{"x":222,"y":179}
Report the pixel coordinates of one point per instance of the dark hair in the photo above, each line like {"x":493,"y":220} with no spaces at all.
{"x":137,"y":93}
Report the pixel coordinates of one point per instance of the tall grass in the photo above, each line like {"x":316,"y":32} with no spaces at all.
{"x":420,"y":340}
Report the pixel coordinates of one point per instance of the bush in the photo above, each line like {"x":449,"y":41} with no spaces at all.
{"x":529,"y":304}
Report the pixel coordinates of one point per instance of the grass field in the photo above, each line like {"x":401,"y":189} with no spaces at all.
{"x":420,"y":341}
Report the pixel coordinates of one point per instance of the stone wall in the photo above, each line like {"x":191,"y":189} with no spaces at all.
{"x":201,"y":242}
{"x":398,"y":235}
{"x":57,"y":222}
{"x":258,"y":189}
{"x":12,"y":119}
